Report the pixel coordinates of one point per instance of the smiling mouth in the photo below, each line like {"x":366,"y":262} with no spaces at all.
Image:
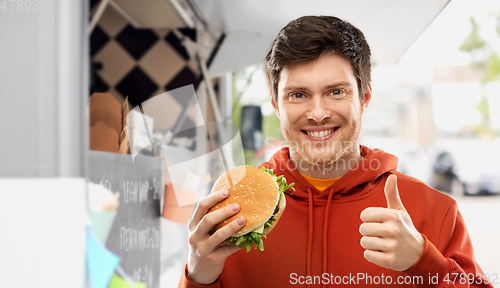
{"x":320,"y":134}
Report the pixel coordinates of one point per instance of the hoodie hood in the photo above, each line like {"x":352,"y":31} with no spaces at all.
{"x":374,"y":163}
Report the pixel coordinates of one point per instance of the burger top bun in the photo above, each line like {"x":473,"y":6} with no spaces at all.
{"x":254,"y":190}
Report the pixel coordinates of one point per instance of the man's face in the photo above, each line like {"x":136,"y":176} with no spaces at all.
{"x":320,"y":110}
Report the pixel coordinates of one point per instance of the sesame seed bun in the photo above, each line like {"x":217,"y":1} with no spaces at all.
{"x":255,"y":191}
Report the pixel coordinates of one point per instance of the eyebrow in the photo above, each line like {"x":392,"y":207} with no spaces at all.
{"x":288,"y":89}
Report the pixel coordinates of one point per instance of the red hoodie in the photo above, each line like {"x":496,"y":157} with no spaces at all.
{"x":317,"y":240}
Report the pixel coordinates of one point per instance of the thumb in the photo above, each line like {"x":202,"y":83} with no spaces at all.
{"x":392,"y":194}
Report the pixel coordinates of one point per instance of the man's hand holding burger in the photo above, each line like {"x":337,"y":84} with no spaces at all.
{"x":389,"y":237}
{"x":244,"y":206}
{"x":206,"y":255}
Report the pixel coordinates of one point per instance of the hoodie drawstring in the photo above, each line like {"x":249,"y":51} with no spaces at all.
{"x":325,"y":234}
{"x":310,"y":237}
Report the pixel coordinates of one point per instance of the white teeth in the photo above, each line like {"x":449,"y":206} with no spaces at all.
{"x":320,"y":133}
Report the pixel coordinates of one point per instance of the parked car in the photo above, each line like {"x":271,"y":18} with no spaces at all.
{"x":467,"y":167}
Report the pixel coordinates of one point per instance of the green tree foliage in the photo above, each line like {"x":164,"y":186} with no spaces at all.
{"x":473,"y":41}
{"x":484,"y":56}
{"x":492,"y":67}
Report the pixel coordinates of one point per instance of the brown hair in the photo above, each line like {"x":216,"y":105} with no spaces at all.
{"x":306,"y":38}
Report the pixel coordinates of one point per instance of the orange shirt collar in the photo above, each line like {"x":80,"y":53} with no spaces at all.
{"x":320,"y":184}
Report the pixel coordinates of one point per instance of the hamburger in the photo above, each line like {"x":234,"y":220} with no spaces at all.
{"x":260,"y":194}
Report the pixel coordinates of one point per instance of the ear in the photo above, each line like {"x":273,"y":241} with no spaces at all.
{"x":275,"y":105}
{"x":366,"y":97}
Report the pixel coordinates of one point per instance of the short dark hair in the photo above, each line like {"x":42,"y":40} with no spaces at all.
{"x":307,"y":38}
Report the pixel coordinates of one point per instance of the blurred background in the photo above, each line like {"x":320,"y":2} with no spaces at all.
{"x":179,"y":65}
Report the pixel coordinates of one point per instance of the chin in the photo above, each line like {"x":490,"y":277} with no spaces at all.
{"x":317,"y":158}
{"x":330,"y":155}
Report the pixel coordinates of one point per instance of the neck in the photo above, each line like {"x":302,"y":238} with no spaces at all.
{"x":334,"y":169}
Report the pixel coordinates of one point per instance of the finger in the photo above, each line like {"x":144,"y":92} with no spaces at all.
{"x":373,"y":229}
{"x":213,"y":218}
{"x":392,"y":193}
{"x":377,"y":215}
{"x":381,"y":259}
{"x":378,"y":244}
{"x":226,"y":251}
{"x":206,"y":204}
{"x":226,"y":232}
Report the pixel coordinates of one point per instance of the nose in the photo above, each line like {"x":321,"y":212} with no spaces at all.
{"x":318,"y":110}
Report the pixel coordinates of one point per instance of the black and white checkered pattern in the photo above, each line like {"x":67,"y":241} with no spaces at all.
{"x":139,"y":63}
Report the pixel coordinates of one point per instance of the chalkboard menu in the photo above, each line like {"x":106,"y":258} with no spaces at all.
{"x":135,"y":234}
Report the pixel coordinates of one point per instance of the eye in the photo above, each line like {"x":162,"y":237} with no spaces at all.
{"x":297,"y":97}
{"x":337,"y":93}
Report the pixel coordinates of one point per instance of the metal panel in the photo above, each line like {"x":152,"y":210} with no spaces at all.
{"x":389,"y":26}
{"x":43,"y":239}
{"x":43,"y":79}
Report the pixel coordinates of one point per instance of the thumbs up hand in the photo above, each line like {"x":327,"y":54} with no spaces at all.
{"x":389,"y":237}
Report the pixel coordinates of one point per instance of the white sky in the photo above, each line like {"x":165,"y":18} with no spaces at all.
{"x":438,"y":45}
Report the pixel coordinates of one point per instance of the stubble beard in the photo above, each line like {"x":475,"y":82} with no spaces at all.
{"x":326,"y":156}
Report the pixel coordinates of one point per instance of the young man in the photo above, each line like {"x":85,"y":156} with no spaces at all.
{"x":352,"y":220}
